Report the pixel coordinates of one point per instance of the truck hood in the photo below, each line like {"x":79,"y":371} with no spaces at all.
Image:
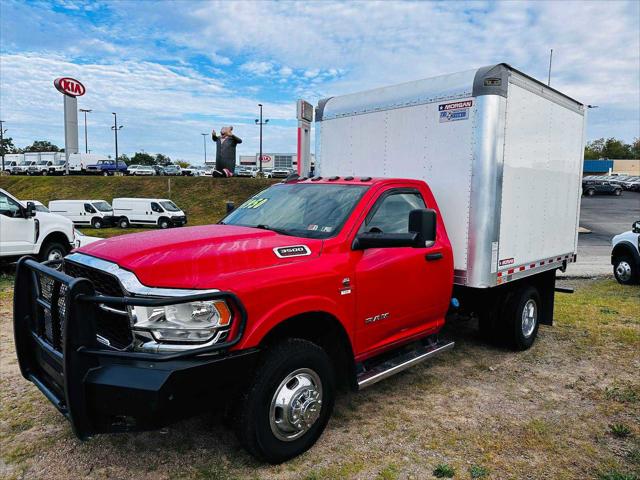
{"x":200,"y":257}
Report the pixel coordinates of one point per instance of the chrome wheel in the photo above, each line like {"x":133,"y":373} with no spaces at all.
{"x":296,"y":404}
{"x":529,"y":318}
{"x":623,"y":271}
{"x":55,"y":254}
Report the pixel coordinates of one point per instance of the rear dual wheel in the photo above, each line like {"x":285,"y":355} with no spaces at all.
{"x":514,"y":320}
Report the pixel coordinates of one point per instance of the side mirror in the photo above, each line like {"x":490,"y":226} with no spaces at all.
{"x":635,"y":228}
{"x":424,"y":222}
{"x":367,"y":240}
{"x":30,"y":210}
{"x":230,"y":207}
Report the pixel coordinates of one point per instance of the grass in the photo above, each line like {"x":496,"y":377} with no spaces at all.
{"x":620,"y":430}
{"x":444,"y":470}
{"x":477,"y":471}
{"x":202,"y":198}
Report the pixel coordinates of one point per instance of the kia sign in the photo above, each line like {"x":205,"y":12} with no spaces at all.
{"x":69,"y":86}
{"x":266,"y":159}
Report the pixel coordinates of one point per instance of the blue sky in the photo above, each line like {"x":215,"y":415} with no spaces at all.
{"x":175,"y":69}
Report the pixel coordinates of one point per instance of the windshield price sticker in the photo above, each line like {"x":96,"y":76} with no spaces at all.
{"x":254,"y":203}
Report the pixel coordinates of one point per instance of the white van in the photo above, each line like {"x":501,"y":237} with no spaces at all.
{"x":94,"y":213}
{"x":148,"y":211}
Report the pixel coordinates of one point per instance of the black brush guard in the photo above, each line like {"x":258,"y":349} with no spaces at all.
{"x":57,"y":350}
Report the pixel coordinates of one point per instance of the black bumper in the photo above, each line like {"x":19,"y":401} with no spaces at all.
{"x":178,"y":221}
{"x":103,"y":390}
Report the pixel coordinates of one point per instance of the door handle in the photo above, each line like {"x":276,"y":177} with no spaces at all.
{"x":430,"y":257}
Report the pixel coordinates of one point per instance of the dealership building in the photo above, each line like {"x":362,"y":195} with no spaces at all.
{"x":272,"y":160}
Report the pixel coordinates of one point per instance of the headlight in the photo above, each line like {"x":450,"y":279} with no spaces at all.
{"x":193,"y":322}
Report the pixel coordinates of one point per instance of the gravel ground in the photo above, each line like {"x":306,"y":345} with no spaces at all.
{"x":569,"y":408}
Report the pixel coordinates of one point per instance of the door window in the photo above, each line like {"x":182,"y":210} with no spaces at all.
{"x":89,"y":209}
{"x":390,"y":214}
{"x":8,"y":207}
{"x":156,"y":208}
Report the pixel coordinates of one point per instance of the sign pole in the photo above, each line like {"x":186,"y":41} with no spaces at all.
{"x":304,"y":113}
{"x":70,"y":89}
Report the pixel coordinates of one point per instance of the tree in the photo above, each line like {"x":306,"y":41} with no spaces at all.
{"x":635,"y":148}
{"x":163,"y":160}
{"x":142,"y":158}
{"x":42,"y":146}
{"x":614,"y":148}
{"x":7,"y":146}
{"x":182,"y":163}
{"x":593,"y":150}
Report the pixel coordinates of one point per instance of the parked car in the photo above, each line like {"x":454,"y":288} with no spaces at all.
{"x":22,"y":168}
{"x":8,"y":165}
{"x":107,"y":167}
{"x":265,"y":173}
{"x":625,"y":255}
{"x":595,"y":187}
{"x":188,"y":171}
{"x":93,"y":213}
{"x":159,"y":212}
{"x":281,"y":172}
{"x":173,"y":170}
{"x":50,"y":238}
{"x":244,"y":172}
{"x":82,"y":240}
{"x":159,"y":169}
{"x":140,"y":170}
{"x":48,"y":167}
{"x":39,"y":207}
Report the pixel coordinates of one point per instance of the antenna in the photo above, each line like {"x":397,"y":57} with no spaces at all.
{"x":550,"y":60}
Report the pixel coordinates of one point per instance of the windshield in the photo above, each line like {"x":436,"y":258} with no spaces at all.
{"x":43,"y":162}
{"x":41,"y":208}
{"x":302,"y":210}
{"x":59,"y":162}
{"x":102,"y":206}
{"x":170,"y":206}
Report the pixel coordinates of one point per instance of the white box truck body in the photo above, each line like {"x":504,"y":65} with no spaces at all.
{"x":502,"y":153}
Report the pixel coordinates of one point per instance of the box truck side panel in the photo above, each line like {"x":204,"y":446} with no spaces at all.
{"x":408,"y":142}
{"x":541,"y":179}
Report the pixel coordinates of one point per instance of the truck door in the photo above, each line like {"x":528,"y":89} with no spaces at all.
{"x":17,"y":234}
{"x":156,"y":212}
{"x":396,"y":288}
{"x":88,"y":213}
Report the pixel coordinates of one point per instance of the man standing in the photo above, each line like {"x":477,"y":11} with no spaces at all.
{"x":225,"y":152}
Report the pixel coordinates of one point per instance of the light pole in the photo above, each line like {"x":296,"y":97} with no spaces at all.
{"x":204,"y":142}
{"x":2,"y":130}
{"x":86,"y":144}
{"x":261,"y":123}
{"x":115,"y":129}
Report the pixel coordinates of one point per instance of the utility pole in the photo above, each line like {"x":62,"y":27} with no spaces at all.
{"x":550,"y":59}
{"x":2,"y":131}
{"x":86,"y":144}
{"x":204,"y":142}
{"x":115,"y":129}
{"x":261,"y":123}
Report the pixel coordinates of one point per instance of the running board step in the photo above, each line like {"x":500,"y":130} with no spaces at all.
{"x":401,"y":362}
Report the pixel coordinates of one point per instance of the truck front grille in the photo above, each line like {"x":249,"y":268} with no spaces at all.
{"x":111,"y":326}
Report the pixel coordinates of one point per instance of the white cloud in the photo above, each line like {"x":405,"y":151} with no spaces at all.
{"x":257,"y":68}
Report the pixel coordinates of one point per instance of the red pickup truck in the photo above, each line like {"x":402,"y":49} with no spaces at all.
{"x":308,"y":285}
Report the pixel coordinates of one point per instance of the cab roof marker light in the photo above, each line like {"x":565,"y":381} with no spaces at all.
{"x":349,"y":178}
{"x":365,"y":179}
{"x":334,"y":178}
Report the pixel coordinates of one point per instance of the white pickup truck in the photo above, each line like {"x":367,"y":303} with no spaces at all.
{"x":48,"y":236}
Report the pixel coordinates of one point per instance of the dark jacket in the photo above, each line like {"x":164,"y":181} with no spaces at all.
{"x":226,"y":152}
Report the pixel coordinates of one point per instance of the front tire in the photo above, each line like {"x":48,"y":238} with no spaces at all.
{"x":123,"y":222}
{"x":163,"y":223}
{"x":52,"y":251}
{"x":105,"y":174}
{"x":590,"y":192}
{"x":625,"y":270}
{"x":521,"y":318}
{"x":97,"y":223}
{"x":287,"y":407}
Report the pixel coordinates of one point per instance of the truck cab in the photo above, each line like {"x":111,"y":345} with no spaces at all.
{"x":22,"y":232}
{"x":107,"y":167}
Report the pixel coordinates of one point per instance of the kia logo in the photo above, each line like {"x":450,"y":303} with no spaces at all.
{"x":69,"y":86}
